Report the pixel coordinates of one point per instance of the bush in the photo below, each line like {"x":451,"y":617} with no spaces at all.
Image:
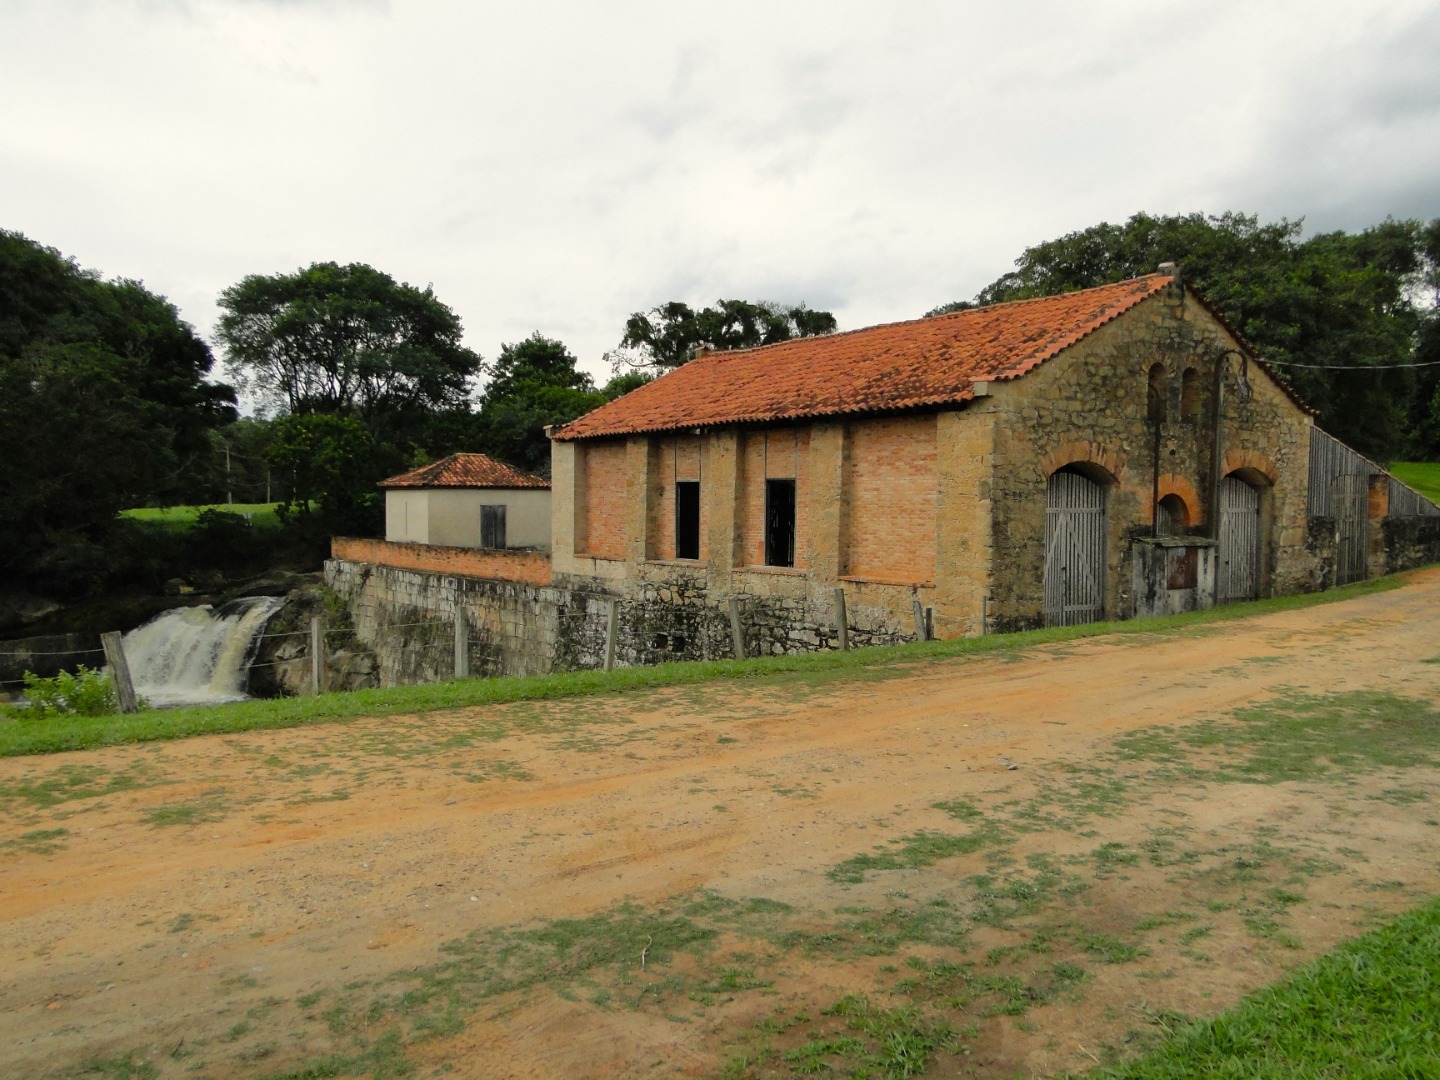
{"x":86,"y":692}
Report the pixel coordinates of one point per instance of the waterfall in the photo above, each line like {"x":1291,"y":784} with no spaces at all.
{"x":198,"y":655}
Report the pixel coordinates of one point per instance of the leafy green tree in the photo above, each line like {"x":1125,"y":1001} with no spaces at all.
{"x":330,"y":464}
{"x":667,"y":336}
{"x":623,"y":383}
{"x":104,"y":404}
{"x":534,"y":383}
{"x":1334,"y":301}
{"x":345,"y":339}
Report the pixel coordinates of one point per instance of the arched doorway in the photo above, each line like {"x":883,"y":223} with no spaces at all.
{"x":1074,"y":549}
{"x":1238,"y":575}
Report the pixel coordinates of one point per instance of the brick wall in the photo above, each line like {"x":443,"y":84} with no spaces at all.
{"x":890,"y":488}
{"x":527,"y":566}
{"x":675,"y":458}
{"x":602,"y":483}
{"x":779,"y":454}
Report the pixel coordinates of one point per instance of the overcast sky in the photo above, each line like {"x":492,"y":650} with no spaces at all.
{"x":556,"y":166}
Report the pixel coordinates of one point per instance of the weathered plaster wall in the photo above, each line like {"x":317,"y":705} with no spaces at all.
{"x":407,"y":516}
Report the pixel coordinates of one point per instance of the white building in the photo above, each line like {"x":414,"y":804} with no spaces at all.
{"x":470,"y":501}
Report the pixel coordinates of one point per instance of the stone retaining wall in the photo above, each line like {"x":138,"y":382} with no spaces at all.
{"x":407,"y":617}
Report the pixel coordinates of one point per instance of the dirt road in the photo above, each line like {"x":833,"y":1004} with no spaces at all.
{"x":251,"y":905}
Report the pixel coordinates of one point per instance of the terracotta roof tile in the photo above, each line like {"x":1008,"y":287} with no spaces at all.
{"x":907,"y":365}
{"x":466,"y":471}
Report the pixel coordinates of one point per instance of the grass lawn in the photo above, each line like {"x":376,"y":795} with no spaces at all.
{"x":1367,"y":1009}
{"x":1423,"y":476}
{"x":27,"y":736}
{"x":180,"y":516}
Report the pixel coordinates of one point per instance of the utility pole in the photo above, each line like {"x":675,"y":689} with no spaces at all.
{"x":229,"y":498}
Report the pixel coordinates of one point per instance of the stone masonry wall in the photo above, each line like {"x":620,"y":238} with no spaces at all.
{"x":1089,"y":405}
{"x":407,"y":617}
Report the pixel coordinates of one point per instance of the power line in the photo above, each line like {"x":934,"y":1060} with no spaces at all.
{"x":1353,"y":367}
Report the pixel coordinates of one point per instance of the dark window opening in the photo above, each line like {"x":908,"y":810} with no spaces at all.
{"x":779,"y":522}
{"x":492,"y":526}
{"x":687,"y":519}
{"x":1173,"y":517}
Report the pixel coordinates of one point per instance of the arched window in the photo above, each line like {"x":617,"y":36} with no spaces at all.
{"x":1155,"y":395}
{"x":1190,"y":395}
{"x":1174,"y":515}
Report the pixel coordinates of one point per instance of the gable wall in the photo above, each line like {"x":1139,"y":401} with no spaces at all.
{"x":1090,"y":404}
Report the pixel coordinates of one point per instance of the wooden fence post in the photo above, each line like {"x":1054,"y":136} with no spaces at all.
{"x":612,"y":628}
{"x":737,"y":632}
{"x":317,"y":655}
{"x":920,"y":634}
{"x":842,"y":619}
{"x":120,"y":672}
{"x":462,"y":644}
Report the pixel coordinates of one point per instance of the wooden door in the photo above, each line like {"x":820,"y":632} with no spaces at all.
{"x":1350,"y":503}
{"x":1238,"y":575}
{"x":1074,"y":550}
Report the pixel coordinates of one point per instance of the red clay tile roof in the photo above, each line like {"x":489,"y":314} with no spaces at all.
{"x":466,"y":471}
{"x":907,"y":365}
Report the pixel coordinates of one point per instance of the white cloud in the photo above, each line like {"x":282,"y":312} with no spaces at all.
{"x":559,"y":165}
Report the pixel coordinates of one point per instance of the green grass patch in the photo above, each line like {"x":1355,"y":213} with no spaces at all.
{"x":1298,"y":736}
{"x":185,"y":516}
{"x":69,"y":782}
{"x":915,"y":851}
{"x":1365,"y":1011}
{"x":37,"y":841}
{"x":1423,"y":476}
{"x":76,"y":733}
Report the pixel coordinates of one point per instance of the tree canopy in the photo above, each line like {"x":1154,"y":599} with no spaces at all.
{"x":344,"y":339}
{"x":376,"y":365}
{"x":104,"y":405}
{"x":1335,"y":300}
{"x":534,"y":383}
{"x":667,"y":336}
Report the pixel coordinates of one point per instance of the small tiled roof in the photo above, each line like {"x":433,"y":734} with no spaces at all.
{"x":924,"y":362}
{"x":466,"y":471}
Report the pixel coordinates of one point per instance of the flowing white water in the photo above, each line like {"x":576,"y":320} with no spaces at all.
{"x":198,"y":655}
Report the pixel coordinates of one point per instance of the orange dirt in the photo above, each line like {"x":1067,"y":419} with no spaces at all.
{"x":201,"y":889}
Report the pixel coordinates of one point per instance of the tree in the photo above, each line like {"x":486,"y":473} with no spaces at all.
{"x":667,"y":336}
{"x":329,"y":465}
{"x":345,"y":339}
{"x":104,"y":405}
{"x":534,"y":383}
{"x":1335,"y":300}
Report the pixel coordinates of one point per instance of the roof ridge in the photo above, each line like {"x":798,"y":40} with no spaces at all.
{"x":724,"y":353}
{"x":897,"y":366}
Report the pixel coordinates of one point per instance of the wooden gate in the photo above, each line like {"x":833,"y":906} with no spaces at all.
{"x":1074,"y":550}
{"x":1350,"y":503}
{"x":1238,"y":575}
